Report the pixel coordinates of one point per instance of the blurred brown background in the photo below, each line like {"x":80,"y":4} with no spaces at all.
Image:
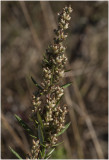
{"x":26,"y":31}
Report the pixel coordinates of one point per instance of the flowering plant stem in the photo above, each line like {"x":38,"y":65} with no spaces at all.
{"x":48,"y":115}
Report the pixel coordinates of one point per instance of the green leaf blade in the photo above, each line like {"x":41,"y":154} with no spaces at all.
{"x":25,"y":126}
{"x":57,"y":144}
{"x":15,"y":153}
{"x":36,"y":84}
{"x":40,"y":120}
{"x":59,"y":101}
{"x":68,"y":70}
{"x":45,"y":59}
{"x":66,"y":85}
{"x":63,"y":130}
{"x":49,"y":154}
{"x":40,"y":134}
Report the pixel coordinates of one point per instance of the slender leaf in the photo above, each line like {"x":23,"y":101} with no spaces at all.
{"x":37,"y":85}
{"x":63,"y":130}
{"x":25,"y":126}
{"x":57,"y":144}
{"x":43,"y":145}
{"x":40,"y":119}
{"x":45,"y":59}
{"x":66,"y":85}
{"x":41,"y":138}
{"x":43,"y":152}
{"x":49,"y":154}
{"x":52,"y":75}
{"x":59,"y":100}
{"x":46,"y":158}
{"x":68,"y":70}
{"x":33,"y":136}
{"x":40,"y":134}
{"x":36,"y":122}
{"x":15,"y":153}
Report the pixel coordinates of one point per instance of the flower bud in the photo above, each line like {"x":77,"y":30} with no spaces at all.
{"x":61,"y":74}
{"x":70,"y":9}
{"x":66,"y":26}
{"x":62,"y":21}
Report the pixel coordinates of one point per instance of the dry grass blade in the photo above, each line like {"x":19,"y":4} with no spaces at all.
{"x":79,"y":72}
{"x":67,"y":145}
{"x":12,"y":132}
{"x":74,"y":126}
{"x":46,"y":9}
{"x":88,"y":121}
{"x":29,"y":21}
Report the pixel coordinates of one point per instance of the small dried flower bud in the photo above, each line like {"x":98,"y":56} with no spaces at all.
{"x":54,"y":135}
{"x":37,"y":141}
{"x":38,"y":98}
{"x":47,"y":144}
{"x":55,"y":47}
{"x":34,"y":142}
{"x":65,"y":59}
{"x":34,"y":103}
{"x":49,"y":76}
{"x":58,"y":59}
{"x":62,"y":49}
{"x":51,"y":119}
{"x":33,"y":96}
{"x":44,"y":70}
{"x":48,"y":106}
{"x":32,"y":151}
{"x":33,"y":147}
{"x":65,"y":108}
{"x":61,"y":118}
{"x":58,"y":130}
{"x":57,"y":113}
{"x":66,"y":26}
{"x":61,"y":90}
{"x":32,"y":111}
{"x":56,"y":121}
{"x":38,"y":103}
{"x":61,"y":25}
{"x":60,"y":110}
{"x":61,"y":74}
{"x":50,"y":112}
{"x":55,"y":109}
{"x":70,"y":9}
{"x":67,"y":17}
{"x":53,"y":105}
{"x":64,"y":14}
{"x":62,"y":21}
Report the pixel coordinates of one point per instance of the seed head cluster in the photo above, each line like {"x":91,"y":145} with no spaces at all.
{"x":46,"y":103}
{"x":35,"y":149}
